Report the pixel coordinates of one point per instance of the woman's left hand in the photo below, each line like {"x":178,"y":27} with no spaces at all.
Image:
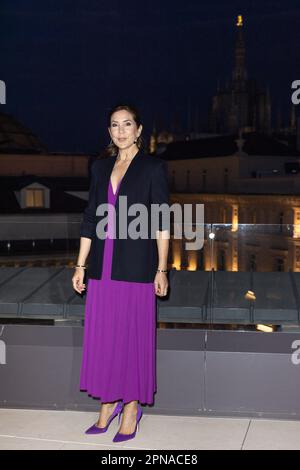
{"x":161,"y":284}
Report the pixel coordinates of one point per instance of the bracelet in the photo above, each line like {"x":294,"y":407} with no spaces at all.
{"x":162,"y":270}
{"x":80,"y":266}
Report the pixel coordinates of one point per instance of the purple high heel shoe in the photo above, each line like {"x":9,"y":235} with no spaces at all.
{"x":96,"y":430}
{"x":119,"y":437}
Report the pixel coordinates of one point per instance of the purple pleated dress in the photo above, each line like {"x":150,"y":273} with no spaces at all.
{"x":119,"y":346}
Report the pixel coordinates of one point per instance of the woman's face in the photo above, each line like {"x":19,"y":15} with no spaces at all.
{"x":123,"y":129}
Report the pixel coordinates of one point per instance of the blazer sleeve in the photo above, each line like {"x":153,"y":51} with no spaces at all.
{"x":88,"y":221}
{"x":160,"y":191}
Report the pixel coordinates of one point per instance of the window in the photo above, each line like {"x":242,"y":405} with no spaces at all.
{"x":280,"y":221}
{"x":252,"y":262}
{"x":279,"y":264}
{"x":200,"y":260}
{"x":34,"y":198}
{"x":223,"y":217}
{"x":221,"y":260}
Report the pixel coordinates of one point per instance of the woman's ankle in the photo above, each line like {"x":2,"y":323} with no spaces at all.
{"x":108,"y":405}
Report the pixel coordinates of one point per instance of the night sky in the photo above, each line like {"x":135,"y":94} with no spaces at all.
{"x":66,"y":63}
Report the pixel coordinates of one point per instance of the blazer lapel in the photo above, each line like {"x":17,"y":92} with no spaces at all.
{"x":104,"y":177}
{"x":131,"y":174}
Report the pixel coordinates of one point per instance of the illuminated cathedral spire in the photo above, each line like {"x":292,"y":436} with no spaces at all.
{"x":239,"y":71}
{"x":242,"y":104}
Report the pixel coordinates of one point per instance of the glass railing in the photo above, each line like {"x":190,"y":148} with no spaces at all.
{"x":244,"y":276}
{"x":36,"y":269}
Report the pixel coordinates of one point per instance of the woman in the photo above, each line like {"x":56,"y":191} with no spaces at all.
{"x":124,"y":275}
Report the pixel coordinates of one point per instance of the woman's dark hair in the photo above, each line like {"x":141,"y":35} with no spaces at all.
{"x":112,"y":149}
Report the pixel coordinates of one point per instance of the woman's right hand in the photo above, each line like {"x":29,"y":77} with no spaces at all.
{"x":77,"y":280}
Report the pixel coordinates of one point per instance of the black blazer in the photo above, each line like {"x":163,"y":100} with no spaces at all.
{"x":145,"y":181}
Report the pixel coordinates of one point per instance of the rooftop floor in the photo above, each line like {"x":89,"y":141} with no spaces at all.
{"x":64,"y":430}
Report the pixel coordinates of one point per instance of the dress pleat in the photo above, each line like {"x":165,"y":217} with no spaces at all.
{"x":119,"y":345}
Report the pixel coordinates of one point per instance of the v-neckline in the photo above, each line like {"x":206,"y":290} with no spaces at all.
{"x":122,"y":176}
{"x":112,"y":189}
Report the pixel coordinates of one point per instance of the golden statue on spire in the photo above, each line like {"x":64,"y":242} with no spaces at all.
{"x":239,"y":20}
